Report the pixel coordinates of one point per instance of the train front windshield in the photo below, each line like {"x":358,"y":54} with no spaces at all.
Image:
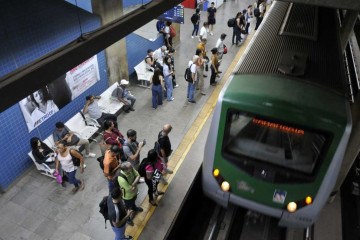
{"x":269,"y":141}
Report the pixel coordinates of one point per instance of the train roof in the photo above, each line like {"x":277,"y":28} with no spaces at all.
{"x":301,"y":42}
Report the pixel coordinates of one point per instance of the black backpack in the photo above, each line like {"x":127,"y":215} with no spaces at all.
{"x":104,"y":209}
{"x":231,"y":22}
{"x":194,"y":18}
{"x":75,"y":160}
{"x":256,"y":12}
{"x":142,"y":166}
{"x":188,"y":74}
{"x":101,"y":162}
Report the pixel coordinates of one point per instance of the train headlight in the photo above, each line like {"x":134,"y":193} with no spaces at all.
{"x":308,"y":200}
{"x":216,"y":172}
{"x":292,"y":206}
{"x":225,"y":186}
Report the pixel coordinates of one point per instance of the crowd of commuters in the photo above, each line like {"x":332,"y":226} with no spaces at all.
{"x":121,"y":159}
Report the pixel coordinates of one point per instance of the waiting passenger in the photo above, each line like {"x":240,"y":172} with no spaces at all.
{"x":168,"y":37}
{"x":95,"y":112}
{"x":220,"y":46}
{"x":248,"y":16}
{"x":41,"y":152}
{"x":168,"y":75}
{"x":165,"y":146}
{"x":118,"y":215}
{"x":128,"y":181}
{"x":132,"y":148}
{"x":203,"y":31}
{"x":111,"y":164}
{"x":64,"y":157}
{"x":200,"y":72}
{"x":236,"y":38}
{"x":159,"y":55}
{"x":63,"y":134}
{"x":149,"y":60}
{"x":191,"y":84}
{"x":214,"y":66}
{"x":112,"y":135}
{"x":153,"y":166}
{"x":157,"y":88}
{"x":123,"y":95}
{"x":211,"y":17}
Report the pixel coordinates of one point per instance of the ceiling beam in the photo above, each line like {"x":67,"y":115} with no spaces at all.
{"x":31,"y":77}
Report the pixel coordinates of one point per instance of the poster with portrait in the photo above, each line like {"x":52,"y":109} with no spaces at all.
{"x":45,"y":102}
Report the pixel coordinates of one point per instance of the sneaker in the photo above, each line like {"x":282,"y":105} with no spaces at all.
{"x":131,"y":109}
{"x":127,"y":237}
{"x":163,"y":181}
{"x":127,"y":111}
{"x":191,"y":101}
{"x":192,"y":37}
{"x":63,"y":184}
{"x":84,"y":165}
{"x":176,"y":86}
{"x":211,"y":33}
{"x":204,"y":75}
{"x":139,"y":209}
{"x":171,"y":99}
{"x":130,"y":222}
{"x":168,"y":171}
{"x":203,"y":93}
{"x":90,"y":155}
{"x":141,"y":180}
{"x":82,"y":185}
{"x":75,"y":189}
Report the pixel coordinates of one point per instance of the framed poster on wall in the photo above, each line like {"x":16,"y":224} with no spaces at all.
{"x":45,"y":102}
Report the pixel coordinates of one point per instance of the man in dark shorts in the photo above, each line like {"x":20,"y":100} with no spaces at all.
{"x":211,"y":17}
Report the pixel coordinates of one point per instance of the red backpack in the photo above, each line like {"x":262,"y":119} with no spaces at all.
{"x":172,"y":31}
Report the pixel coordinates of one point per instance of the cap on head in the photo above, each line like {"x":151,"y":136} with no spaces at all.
{"x":124,"y":82}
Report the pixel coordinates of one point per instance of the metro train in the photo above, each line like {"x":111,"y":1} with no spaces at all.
{"x":282,"y":122}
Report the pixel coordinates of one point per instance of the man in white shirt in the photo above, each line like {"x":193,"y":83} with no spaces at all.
{"x":220,"y":46}
{"x":191,"y":85}
{"x":159,"y":54}
{"x":203,"y":31}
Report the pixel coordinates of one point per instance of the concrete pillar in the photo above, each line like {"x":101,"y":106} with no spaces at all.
{"x":116,"y":55}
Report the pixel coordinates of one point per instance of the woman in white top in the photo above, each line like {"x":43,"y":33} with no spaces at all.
{"x":65,"y":159}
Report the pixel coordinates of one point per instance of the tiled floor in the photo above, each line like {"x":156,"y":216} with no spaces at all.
{"x":36,"y":207}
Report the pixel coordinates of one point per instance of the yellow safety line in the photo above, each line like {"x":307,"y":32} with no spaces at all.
{"x":188,"y":140}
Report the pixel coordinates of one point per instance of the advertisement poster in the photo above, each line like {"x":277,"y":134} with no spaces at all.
{"x":45,"y":102}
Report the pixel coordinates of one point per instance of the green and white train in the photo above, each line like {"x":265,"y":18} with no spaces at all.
{"x":283,"y":121}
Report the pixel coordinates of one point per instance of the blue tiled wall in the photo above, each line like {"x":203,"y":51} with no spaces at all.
{"x":25,"y":36}
{"x":137,"y":46}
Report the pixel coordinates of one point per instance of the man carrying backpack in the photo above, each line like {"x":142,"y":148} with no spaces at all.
{"x":128,"y":179}
{"x":195,"y":19}
{"x":117,"y":214}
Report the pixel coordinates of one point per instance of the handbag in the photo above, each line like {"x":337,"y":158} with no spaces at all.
{"x":225,"y":49}
{"x":58,"y":177}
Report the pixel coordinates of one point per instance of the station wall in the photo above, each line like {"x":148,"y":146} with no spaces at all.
{"x":56,"y":25}
{"x":39,"y":27}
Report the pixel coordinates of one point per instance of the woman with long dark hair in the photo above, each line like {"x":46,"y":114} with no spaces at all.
{"x":168,"y":75}
{"x":154,"y":169}
{"x":41,"y":152}
{"x":157,"y":88}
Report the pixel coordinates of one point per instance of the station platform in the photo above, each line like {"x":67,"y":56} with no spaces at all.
{"x":36,"y":207}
